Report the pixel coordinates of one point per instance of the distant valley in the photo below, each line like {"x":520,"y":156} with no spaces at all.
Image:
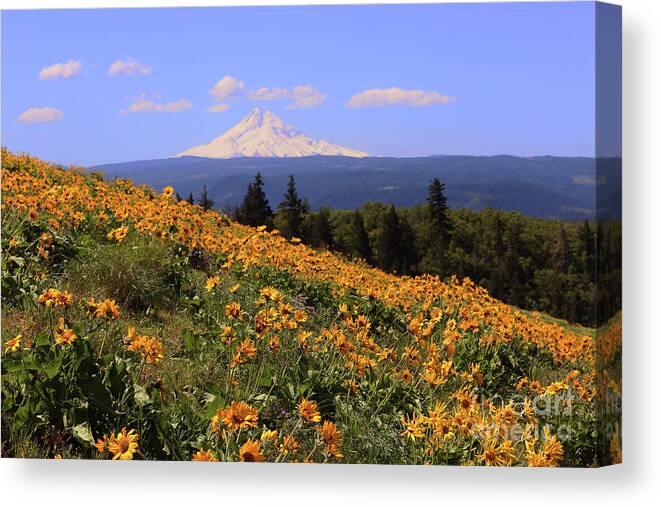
{"x":545,"y":187}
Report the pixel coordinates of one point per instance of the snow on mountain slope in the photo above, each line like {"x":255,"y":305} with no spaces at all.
{"x":263,"y":134}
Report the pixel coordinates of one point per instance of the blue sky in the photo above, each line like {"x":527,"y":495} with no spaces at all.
{"x":441,"y":79}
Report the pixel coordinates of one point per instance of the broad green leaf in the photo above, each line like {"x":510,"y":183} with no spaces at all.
{"x":140,"y":395}
{"x":19,"y":261}
{"x":53,"y":367}
{"x":42,"y":340}
{"x":83,"y":432}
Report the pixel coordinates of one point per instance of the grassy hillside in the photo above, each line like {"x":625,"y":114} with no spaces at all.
{"x":134,"y":326}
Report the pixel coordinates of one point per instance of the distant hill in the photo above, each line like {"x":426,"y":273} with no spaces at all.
{"x":545,"y":187}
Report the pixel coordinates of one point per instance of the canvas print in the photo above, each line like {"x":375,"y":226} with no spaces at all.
{"x":373,"y":234}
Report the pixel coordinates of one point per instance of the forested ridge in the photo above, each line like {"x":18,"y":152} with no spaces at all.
{"x":533,"y":263}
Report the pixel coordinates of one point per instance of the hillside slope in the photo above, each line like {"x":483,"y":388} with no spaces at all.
{"x":125,"y":309}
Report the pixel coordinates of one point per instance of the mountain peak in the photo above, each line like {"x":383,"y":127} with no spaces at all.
{"x":258,"y":114}
{"x":260,"y":117}
{"x":263,"y":134}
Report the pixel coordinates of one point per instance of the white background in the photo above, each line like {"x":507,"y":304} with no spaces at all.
{"x":50,"y":483}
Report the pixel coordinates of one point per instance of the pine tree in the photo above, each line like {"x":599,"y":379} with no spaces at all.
{"x":511,"y":265}
{"x":562,"y":253}
{"x":359,"y":240}
{"x":438,"y":211}
{"x":498,"y":275}
{"x":291,"y":212}
{"x":390,"y":258}
{"x":498,"y":234}
{"x":319,"y":231}
{"x":588,"y":243}
{"x":436,"y":232}
{"x":190,"y":198}
{"x":255,"y":209}
{"x":205,"y":203}
{"x":178,"y":197}
{"x":407,"y":250}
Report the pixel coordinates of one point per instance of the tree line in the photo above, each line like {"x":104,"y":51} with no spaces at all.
{"x":533,"y":263}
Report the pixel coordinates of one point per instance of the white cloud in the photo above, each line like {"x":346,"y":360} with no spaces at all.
{"x":266,"y":93}
{"x":303,"y":95}
{"x":227,"y":88}
{"x":128,"y":67}
{"x":143,"y":105}
{"x":218,"y":108}
{"x":40,"y":115}
{"x":61,"y":70}
{"x":377,"y":97}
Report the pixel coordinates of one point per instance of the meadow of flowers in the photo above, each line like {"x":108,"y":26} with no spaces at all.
{"x":138,"y":327}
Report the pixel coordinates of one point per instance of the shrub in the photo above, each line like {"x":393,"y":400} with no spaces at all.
{"x":137,"y":273}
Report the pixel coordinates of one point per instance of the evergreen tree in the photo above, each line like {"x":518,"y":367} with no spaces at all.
{"x":205,"y":203}
{"x":359,"y":240}
{"x":255,"y":209}
{"x":521,"y":260}
{"x":510,"y":262}
{"x":407,"y":250}
{"x":434,"y":236}
{"x":390,"y":255}
{"x":292,"y":211}
{"x":438,"y":211}
{"x":177,"y":196}
{"x":319,"y":232}
{"x":190,"y":198}
{"x":562,"y":253}
{"x":588,"y":242}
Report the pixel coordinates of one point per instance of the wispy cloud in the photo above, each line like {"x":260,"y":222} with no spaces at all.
{"x":378,"y":97}
{"x":228,"y":88}
{"x":40,"y":115}
{"x":144,"y":105}
{"x":61,"y":70}
{"x":218,"y":108}
{"x":266,"y":93}
{"x":303,"y":96}
{"x":128,"y":67}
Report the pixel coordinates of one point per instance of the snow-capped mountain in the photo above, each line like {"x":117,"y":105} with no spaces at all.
{"x":263,"y":134}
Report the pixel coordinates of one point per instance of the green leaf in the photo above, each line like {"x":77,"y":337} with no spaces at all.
{"x":53,"y":367}
{"x":97,"y":392}
{"x":42,"y":340}
{"x":22,"y":415}
{"x":213,"y":403}
{"x":140,"y":396}
{"x":263,"y":398}
{"x":208,"y":397}
{"x":83,"y":432}
{"x":116,"y":378}
{"x":19,"y":261}
{"x":267,"y":378}
{"x":190,"y":343}
{"x":12,"y":365}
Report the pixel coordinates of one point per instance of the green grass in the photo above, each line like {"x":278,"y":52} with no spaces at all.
{"x":573,"y":328}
